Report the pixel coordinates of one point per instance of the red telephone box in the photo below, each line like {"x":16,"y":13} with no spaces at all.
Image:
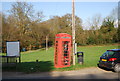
{"x":62,"y":55}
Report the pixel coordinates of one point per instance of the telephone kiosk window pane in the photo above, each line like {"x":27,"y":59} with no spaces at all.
{"x":65,"y":51}
{"x":56,"y":41}
{"x":65,"y":54}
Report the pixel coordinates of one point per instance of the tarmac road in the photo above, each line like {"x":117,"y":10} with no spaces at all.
{"x":86,"y":73}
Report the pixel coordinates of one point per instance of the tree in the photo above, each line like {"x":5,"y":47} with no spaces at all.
{"x":9,"y":31}
{"x":107,"y":25}
{"x":108,"y":30}
{"x":114,"y":14}
{"x":94,"y":22}
{"x":118,"y":32}
{"x":22,"y":12}
{"x":25,"y":22}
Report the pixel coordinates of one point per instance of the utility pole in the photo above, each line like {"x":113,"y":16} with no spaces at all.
{"x":73,"y":31}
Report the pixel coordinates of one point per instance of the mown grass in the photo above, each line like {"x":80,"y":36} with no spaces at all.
{"x":46,"y":59}
{"x":40,"y":55}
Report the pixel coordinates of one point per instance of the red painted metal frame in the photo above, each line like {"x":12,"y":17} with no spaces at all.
{"x":60,"y":60}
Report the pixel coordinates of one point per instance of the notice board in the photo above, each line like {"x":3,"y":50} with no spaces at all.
{"x":13,"y":48}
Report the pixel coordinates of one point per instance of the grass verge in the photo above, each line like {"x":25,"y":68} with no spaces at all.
{"x":46,"y":59}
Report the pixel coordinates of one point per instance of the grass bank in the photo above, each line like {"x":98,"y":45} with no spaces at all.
{"x":46,"y":59}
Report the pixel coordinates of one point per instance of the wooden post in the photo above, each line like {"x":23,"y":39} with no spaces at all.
{"x":73,"y":31}
{"x":19,"y":59}
{"x":46,"y":42}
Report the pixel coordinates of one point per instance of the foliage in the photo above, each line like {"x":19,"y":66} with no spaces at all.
{"x":27,"y":26}
{"x":107,"y":26}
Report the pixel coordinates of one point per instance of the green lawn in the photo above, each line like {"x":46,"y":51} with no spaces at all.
{"x":46,"y":59}
{"x":40,"y":55}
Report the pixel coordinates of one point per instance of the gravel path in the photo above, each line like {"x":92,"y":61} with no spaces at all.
{"x":86,"y":73}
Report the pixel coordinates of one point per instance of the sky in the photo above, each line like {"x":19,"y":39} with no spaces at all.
{"x":84,"y":10}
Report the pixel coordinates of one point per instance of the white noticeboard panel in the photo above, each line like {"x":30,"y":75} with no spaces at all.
{"x":13,"y":48}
